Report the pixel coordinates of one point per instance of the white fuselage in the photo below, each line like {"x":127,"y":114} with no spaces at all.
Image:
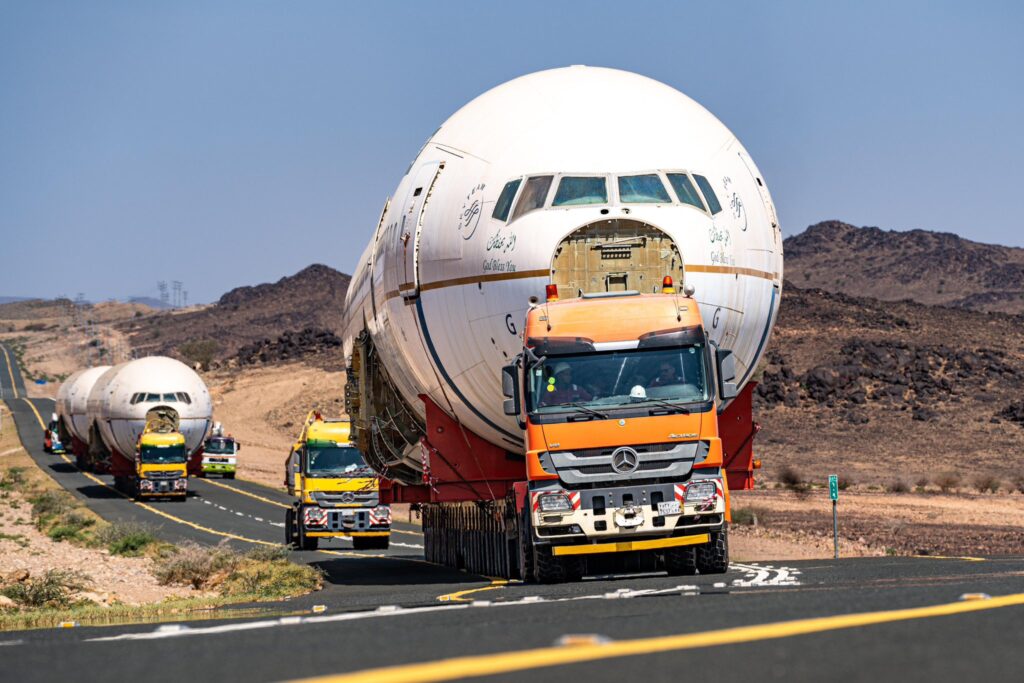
{"x":123,"y":395}
{"x":72,"y":398}
{"x":444,"y":286}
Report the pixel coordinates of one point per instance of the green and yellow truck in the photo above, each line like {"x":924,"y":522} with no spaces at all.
{"x":336,"y":493}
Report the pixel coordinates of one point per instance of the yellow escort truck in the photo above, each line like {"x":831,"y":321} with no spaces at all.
{"x":336,"y":492}
{"x":159,"y":468}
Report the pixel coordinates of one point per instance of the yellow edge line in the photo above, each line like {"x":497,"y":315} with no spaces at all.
{"x":10,"y":371}
{"x":522,"y":660}
{"x":459,"y":595}
{"x":965,"y":558}
{"x":246,"y":493}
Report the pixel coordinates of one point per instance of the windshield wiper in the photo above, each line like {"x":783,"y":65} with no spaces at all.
{"x":585,"y":409}
{"x":666,"y":404}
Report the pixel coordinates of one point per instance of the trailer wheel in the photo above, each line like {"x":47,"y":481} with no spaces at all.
{"x":525,"y":555}
{"x":681,"y":561}
{"x":713,"y":556}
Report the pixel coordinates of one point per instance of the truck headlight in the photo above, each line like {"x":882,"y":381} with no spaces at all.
{"x":380,"y":515}
{"x":700,"y":491}
{"x":181,"y":484}
{"x":315,"y":516}
{"x":554,"y":502}
{"x":145,"y":485}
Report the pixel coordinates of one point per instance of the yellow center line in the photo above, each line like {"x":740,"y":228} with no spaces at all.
{"x":246,"y":493}
{"x":10,"y":371}
{"x":523,"y":660}
{"x":460,"y":595}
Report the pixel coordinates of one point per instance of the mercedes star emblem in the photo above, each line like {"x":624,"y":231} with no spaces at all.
{"x":625,"y":460}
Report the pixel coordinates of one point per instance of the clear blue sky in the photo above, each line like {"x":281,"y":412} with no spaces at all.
{"x":230,"y":143}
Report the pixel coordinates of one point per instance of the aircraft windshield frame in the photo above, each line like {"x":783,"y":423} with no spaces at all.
{"x":631,"y":379}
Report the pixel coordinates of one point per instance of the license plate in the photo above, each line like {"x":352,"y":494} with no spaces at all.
{"x":669,"y":508}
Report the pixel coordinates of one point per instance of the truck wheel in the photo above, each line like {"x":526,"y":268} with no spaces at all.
{"x":307,"y":543}
{"x":681,"y":561}
{"x":525,"y":555}
{"x":290,"y":539}
{"x":551,"y":569}
{"x":229,"y":475}
{"x":713,"y":556}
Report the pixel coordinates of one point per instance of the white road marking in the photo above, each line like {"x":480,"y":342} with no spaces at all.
{"x":765,"y":575}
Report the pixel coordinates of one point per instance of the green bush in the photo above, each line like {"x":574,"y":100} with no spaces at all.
{"x":126,"y":538}
{"x":69,"y":527}
{"x":201,"y":351}
{"x":52,"y":589}
{"x":752,"y":516}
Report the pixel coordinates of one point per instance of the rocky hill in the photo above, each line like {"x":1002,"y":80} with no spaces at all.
{"x":891,"y":390}
{"x":295,"y":316}
{"x":928,"y":267}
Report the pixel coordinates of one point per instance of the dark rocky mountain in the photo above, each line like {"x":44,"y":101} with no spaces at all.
{"x":306,"y":308}
{"x":929,"y":267}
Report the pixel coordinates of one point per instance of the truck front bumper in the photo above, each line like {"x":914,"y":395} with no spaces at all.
{"x":346,"y":521}
{"x":218,"y":467}
{"x":621,"y":519}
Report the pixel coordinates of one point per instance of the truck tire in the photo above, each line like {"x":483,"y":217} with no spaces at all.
{"x":229,"y":475}
{"x":307,"y":543}
{"x":713,"y":556}
{"x":525,"y":555}
{"x":551,"y":569}
{"x":290,"y":537}
{"x":681,"y":561}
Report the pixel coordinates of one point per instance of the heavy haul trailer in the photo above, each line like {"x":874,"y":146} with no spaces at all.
{"x":336,"y":493}
{"x":137,"y":420}
{"x":589,"y":186}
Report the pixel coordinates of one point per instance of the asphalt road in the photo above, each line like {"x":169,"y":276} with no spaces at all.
{"x":905,"y":619}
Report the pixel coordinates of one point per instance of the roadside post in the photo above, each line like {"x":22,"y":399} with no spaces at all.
{"x":833,"y":493}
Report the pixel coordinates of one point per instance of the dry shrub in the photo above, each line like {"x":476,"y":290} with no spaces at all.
{"x":947,"y":481}
{"x":749,"y":516}
{"x":194,"y":564}
{"x":791,"y":479}
{"x":986,"y":483}
{"x":898,"y":486}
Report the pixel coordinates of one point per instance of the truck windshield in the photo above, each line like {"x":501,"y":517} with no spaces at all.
{"x":618,"y":379}
{"x":335,"y":461}
{"x":162,"y":454}
{"x":220,"y":446}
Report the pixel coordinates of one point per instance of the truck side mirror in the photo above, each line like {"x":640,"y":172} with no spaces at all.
{"x":510,"y":389}
{"x":508,"y":382}
{"x":726,"y":374}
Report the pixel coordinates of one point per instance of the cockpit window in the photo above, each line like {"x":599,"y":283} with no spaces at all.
{"x":508,"y":193}
{"x":685,"y":190}
{"x":642,"y":189}
{"x":576,"y":191}
{"x":170,"y":398}
{"x":709,"y":194}
{"x":152,"y":398}
{"x":184,"y":398}
{"x":534,"y":195}
{"x":136,"y":398}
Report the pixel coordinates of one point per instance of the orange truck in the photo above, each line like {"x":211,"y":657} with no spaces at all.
{"x":618,"y":395}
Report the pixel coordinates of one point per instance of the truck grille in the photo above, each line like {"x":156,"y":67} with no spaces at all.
{"x":594,"y":465}
{"x":163,"y":474}
{"x":334,"y":498}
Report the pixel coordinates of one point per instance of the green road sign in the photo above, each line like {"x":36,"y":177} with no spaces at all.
{"x":833,"y":487}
